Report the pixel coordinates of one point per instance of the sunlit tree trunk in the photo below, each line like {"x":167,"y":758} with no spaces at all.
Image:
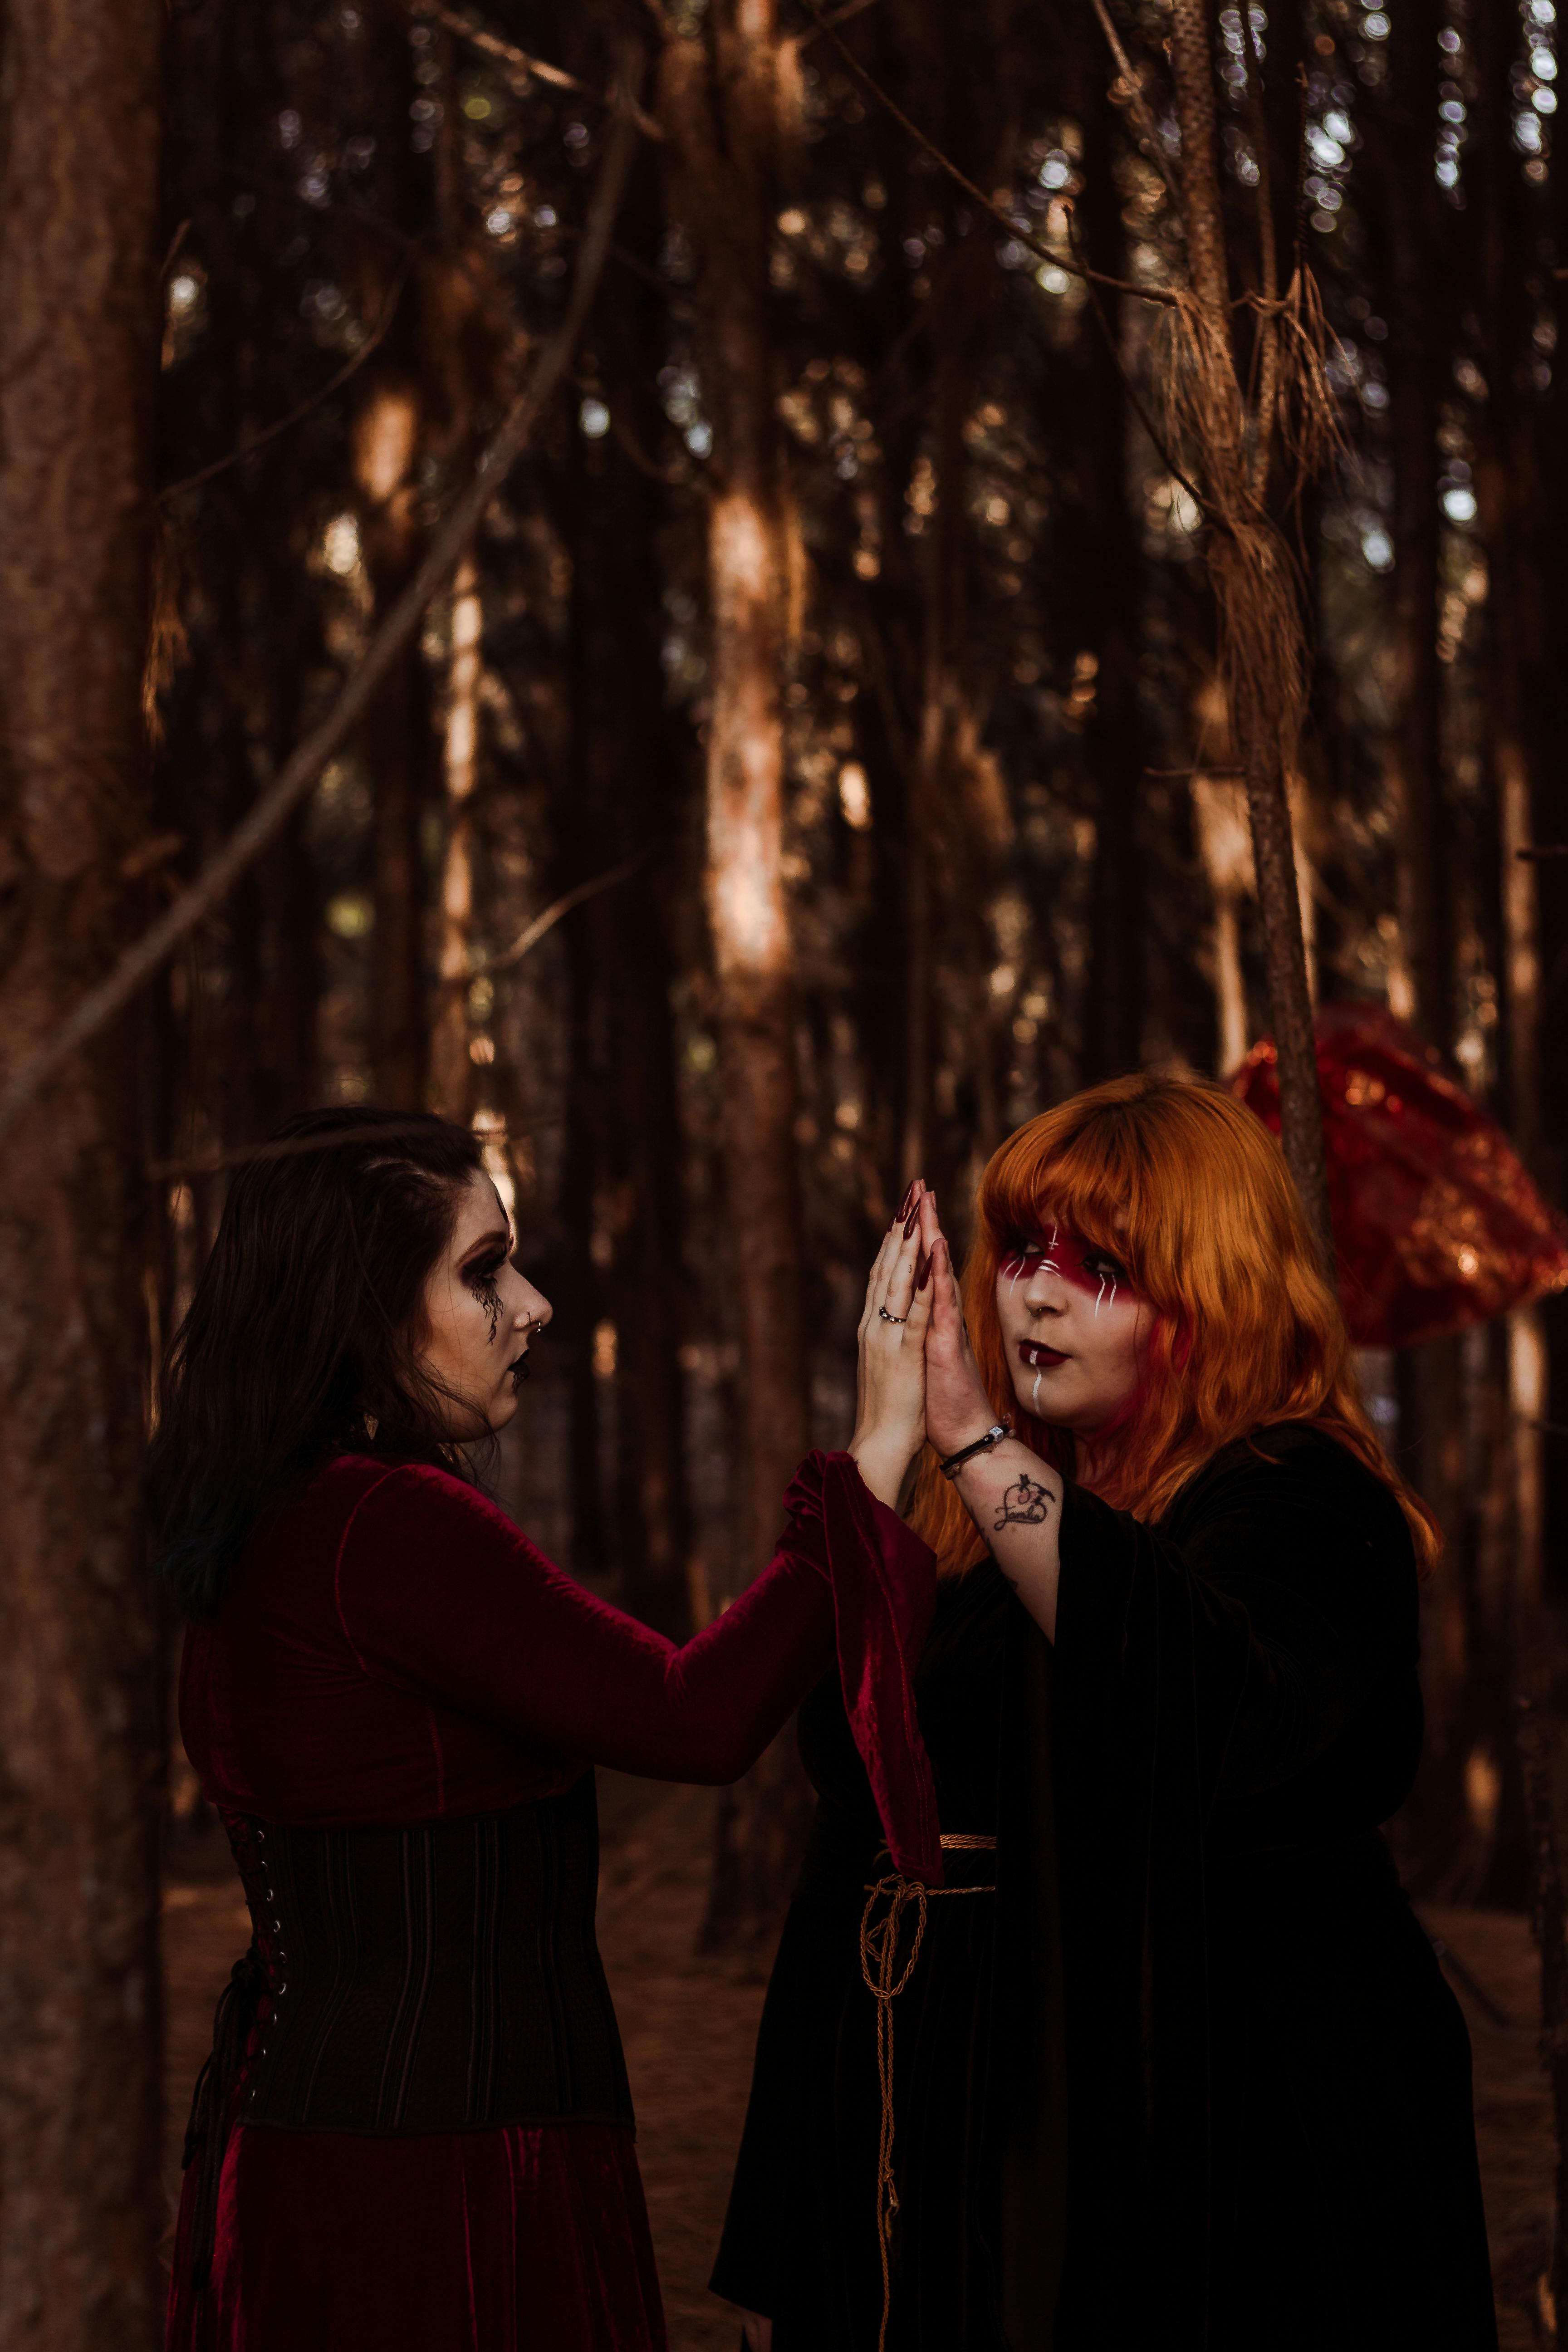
{"x":395,"y":740}
{"x":388,"y":441}
{"x":451,"y":1070}
{"x":1548,"y":708}
{"x":1109,"y":579}
{"x":1413,"y":755}
{"x":1422,"y":983}
{"x":80,"y":1778}
{"x":719,"y":99}
{"x":1262,"y":681}
{"x":1507,"y":490}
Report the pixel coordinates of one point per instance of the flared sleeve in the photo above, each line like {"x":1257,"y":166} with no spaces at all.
{"x":883,"y":1580}
{"x":438,"y":1591}
{"x":1269,"y":1609}
{"x":1259,"y":1643}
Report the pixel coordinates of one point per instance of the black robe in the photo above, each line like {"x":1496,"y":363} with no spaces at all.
{"x":1190,"y":2075}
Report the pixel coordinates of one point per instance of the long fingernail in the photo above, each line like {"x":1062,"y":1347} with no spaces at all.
{"x":903,"y":1208}
{"x":923,"y":1277}
{"x":912,"y":1221}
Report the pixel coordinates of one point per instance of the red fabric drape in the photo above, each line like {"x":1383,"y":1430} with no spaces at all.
{"x":1436,"y":1223}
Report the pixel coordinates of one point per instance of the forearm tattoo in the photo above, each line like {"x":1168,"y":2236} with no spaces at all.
{"x":1025,"y":1505}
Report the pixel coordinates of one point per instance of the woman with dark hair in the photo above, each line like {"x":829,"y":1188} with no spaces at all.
{"x":1148,"y":2049}
{"x":414,"y":2128}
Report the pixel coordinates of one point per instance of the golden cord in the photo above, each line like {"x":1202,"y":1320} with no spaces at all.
{"x":885,"y":1981}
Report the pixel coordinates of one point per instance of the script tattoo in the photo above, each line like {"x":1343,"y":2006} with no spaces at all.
{"x":1025,"y":1505}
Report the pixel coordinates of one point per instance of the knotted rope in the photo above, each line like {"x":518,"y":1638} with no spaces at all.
{"x":885,"y":1981}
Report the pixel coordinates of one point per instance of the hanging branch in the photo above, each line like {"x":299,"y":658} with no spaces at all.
{"x":1069,"y":262}
{"x":270,"y":433}
{"x":1017,"y":229}
{"x":531,"y":933}
{"x":1143,"y":121}
{"x":523,"y":68}
{"x":1257,"y":595}
{"x":141,"y":960}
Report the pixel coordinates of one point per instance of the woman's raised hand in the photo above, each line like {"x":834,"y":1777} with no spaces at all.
{"x":890,"y":1376}
{"x":957,"y":1407}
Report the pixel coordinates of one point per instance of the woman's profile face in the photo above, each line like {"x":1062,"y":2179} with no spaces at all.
{"x":1073,"y":1327}
{"x":481,"y":1314}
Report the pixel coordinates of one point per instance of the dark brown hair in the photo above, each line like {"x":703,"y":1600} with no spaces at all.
{"x":303,"y":1335}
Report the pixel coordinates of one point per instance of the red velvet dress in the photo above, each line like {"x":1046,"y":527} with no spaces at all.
{"x":392,"y":1651}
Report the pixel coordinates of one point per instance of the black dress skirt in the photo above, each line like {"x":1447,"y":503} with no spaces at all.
{"x":1181,"y":2068}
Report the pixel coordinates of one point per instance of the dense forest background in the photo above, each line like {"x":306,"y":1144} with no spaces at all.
{"x":820,"y":758}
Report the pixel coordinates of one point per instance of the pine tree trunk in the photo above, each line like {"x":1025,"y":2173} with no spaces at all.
{"x":81,"y":2206}
{"x":1260,"y":699}
{"x":718,"y":98}
{"x":451,"y":1071}
{"x":720,"y":107}
{"x":1507,"y":493}
{"x":1109,"y":579}
{"x":1413,"y":753}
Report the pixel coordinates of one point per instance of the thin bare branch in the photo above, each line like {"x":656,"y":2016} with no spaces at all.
{"x":1091,"y":286}
{"x":175,"y":243}
{"x":1265,"y":341}
{"x":521,"y":64}
{"x":531,"y":933}
{"x":1016,"y":229}
{"x":272,"y":431}
{"x":1137,"y":106}
{"x":142,"y":959}
{"x":839,"y":16}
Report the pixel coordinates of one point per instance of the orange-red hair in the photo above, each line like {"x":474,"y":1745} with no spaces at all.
{"x":1181,"y":1182}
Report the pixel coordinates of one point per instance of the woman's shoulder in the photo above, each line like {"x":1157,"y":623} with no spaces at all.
{"x":362,"y":1491}
{"x":1302,"y":1475}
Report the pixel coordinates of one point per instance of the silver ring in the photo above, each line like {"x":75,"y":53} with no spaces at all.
{"x":892,"y":1319}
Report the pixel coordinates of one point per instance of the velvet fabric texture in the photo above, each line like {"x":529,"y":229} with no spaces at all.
{"x":392,"y":1650}
{"x":533,"y":2236}
{"x":1191,"y":2077}
{"x":800,"y":2240}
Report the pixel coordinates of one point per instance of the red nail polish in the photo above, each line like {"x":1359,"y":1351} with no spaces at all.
{"x":912,"y":1221}
{"x":923,"y":1277}
{"x":904,"y":1203}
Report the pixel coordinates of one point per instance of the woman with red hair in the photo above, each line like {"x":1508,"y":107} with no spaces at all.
{"x":1152,"y":2049}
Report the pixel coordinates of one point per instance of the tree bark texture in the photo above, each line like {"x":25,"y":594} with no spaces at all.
{"x":719,"y":101}
{"x":1507,"y":490}
{"x":395,"y":740}
{"x":451,"y":1070}
{"x":1261,"y":633}
{"x":1414,"y":752}
{"x":81,"y":2205}
{"x":1107,"y":575}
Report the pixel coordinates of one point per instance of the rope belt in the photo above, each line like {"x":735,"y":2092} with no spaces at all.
{"x":885,"y":1981}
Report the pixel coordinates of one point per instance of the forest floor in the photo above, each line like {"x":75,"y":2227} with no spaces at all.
{"x":689,"y":2026}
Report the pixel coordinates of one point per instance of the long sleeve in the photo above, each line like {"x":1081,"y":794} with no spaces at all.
{"x":1279,"y":1604}
{"x":439,"y":1593}
{"x":1235,"y":1684}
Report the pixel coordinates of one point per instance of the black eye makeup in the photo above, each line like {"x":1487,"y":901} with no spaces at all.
{"x":480,"y":1278}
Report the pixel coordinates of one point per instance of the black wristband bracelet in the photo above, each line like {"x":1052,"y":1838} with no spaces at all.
{"x":993,"y":1436}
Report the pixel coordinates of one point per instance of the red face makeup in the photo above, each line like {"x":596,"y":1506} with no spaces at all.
{"x":1083,"y":1264}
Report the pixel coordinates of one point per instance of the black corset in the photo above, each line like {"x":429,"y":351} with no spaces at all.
{"x":442,"y":1978}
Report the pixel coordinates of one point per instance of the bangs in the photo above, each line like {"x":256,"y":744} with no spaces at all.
{"x":1090,"y":1182}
